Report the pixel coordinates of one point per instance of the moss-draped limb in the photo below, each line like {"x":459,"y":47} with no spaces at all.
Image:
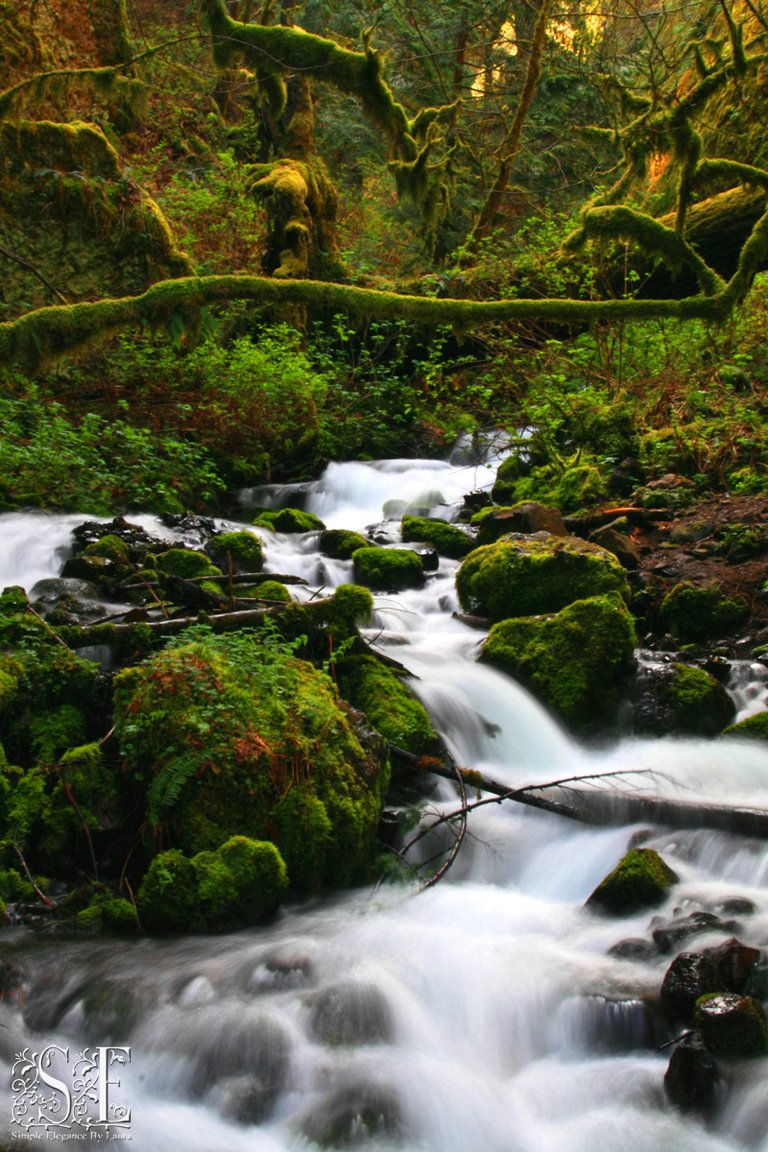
{"x":278,"y":49}
{"x":713,"y":169}
{"x":47,"y":333}
{"x":624,"y":223}
{"x":753,"y":258}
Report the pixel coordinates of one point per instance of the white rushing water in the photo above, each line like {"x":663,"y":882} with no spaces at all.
{"x":483,"y":1015}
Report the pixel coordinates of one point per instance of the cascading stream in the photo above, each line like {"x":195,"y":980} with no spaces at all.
{"x":484,"y":1014}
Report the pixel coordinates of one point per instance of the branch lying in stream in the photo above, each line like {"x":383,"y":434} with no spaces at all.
{"x":598,"y":806}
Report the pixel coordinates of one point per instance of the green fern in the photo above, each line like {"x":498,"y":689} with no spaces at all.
{"x":167,"y":785}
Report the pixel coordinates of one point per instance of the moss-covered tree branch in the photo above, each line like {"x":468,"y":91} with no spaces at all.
{"x":48,"y":333}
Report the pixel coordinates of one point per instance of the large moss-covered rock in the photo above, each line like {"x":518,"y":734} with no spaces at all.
{"x":244,"y":549}
{"x":574,"y":661}
{"x":232,"y":735}
{"x":388,"y":569}
{"x":641,"y":879}
{"x":526,"y":517}
{"x":732,"y":1025}
{"x":525,"y":575}
{"x":680,"y":698}
{"x":694,"y":612}
{"x":446,"y":538}
{"x":390,"y":707}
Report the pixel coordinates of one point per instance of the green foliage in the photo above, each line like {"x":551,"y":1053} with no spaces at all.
{"x":526,"y":576}
{"x":573,"y":661}
{"x":387,"y":569}
{"x":50,"y":459}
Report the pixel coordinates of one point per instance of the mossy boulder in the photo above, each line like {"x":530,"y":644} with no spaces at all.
{"x":525,"y":575}
{"x":289,"y":520}
{"x":574,"y":661}
{"x":108,"y":914}
{"x":387,"y":569}
{"x":340,"y":543}
{"x":237,"y":885}
{"x":731,"y":1025}
{"x":693,"y":612}
{"x":753,"y":728}
{"x":244,"y":548}
{"x":271,"y":590}
{"x":680,"y":698}
{"x":641,"y":879}
{"x":219,"y":730}
{"x":387,"y":702}
{"x":187,"y":564}
{"x":447,"y":539}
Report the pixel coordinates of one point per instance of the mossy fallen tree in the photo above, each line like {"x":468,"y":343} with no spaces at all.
{"x":46,"y":334}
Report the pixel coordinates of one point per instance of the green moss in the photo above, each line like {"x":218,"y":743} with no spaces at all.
{"x":305,"y":833}
{"x":754,"y":727}
{"x":187,"y":564}
{"x":523,"y":576}
{"x":238,"y":884}
{"x":699,"y":703}
{"x":108,"y":913}
{"x":168,"y":897}
{"x":694,"y":612}
{"x":641,"y":879}
{"x":14,"y":887}
{"x":291,"y":520}
{"x":53,"y":732}
{"x":272,"y":590}
{"x":387,"y":569}
{"x":245,"y":549}
{"x":221,"y":729}
{"x":573,"y":661}
{"x":446,"y":538}
{"x":390,"y":707}
{"x":340,"y":543}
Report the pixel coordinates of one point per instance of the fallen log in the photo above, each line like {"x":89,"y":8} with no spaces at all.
{"x":605,"y":806}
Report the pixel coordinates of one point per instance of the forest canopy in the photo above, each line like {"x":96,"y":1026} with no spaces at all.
{"x":645,"y":123}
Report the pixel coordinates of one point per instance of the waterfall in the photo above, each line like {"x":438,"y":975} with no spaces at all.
{"x":489,"y":1013}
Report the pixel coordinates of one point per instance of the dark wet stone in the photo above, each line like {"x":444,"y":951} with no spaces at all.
{"x":732,"y":1025}
{"x":350,"y":1014}
{"x":736,"y":965}
{"x":691,"y":1077}
{"x":689,"y":976}
{"x":257,"y":1051}
{"x":670,"y":935}
{"x":246,"y":1099}
{"x":354,"y":1113}
{"x":633,"y":948}
{"x":280,"y":971}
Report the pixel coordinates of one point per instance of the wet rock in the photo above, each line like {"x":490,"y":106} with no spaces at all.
{"x":691,"y":1077}
{"x":736,"y":965}
{"x":694,"y":612}
{"x":689,"y":976}
{"x":640,"y":880}
{"x":354,"y":1113}
{"x":670,"y":934}
{"x":633,"y":948}
{"x":527,"y":518}
{"x":350,"y":1014}
{"x":620,"y":544}
{"x":248,"y":1058}
{"x":281,"y":971}
{"x":67,"y":601}
{"x":678,"y":698}
{"x":732,"y":1025}
{"x":430,"y":561}
{"x":447,"y":539}
{"x":387,"y":569}
{"x":340,"y":543}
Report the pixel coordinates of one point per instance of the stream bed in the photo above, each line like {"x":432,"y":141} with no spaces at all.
{"x":487,"y":1014}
